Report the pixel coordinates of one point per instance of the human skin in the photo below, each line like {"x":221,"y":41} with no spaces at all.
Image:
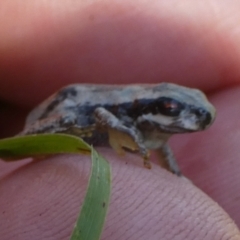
{"x":45,"y":45}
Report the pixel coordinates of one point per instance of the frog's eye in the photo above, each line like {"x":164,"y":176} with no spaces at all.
{"x":169,"y":107}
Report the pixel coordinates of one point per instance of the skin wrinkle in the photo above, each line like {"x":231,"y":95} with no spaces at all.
{"x":224,"y":235}
{"x":203,"y":210}
{"x":147,"y":194}
{"x":56,"y":205}
{"x":136,"y":207}
{"x":179,"y":228}
{"x":134,"y":192}
{"x":126,"y":203}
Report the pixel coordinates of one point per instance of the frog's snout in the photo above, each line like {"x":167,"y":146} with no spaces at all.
{"x":206,"y":118}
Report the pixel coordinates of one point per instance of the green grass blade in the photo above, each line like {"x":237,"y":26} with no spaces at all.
{"x":91,"y":220}
{"x":92,"y":217}
{"x":16,"y":148}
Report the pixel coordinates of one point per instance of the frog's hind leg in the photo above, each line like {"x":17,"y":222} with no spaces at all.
{"x":120,"y":135}
{"x":52,"y":124}
{"x":169,"y":161}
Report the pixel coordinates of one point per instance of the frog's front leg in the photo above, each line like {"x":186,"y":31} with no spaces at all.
{"x":52,"y":124}
{"x":169,"y":160}
{"x":121,"y":135}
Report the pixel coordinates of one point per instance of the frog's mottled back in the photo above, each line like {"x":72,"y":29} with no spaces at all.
{"x":137,"y":117}
{"x":88,"y":95}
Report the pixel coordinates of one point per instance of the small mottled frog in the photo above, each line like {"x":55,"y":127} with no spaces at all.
{"x":135,"y":117}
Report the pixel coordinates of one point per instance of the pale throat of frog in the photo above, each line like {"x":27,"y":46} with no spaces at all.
{"x":155,"y":139}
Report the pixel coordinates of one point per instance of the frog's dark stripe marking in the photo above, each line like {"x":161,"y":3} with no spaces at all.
{"x":131,"y":109}
{"x":161,"y":105}
{"x":67,"y":92}
{"x":50,"y":107}
{"x":60,"y":96}
{"x":142,"y":107}
{"x":126,"y":110}
{"x":157,"y":106}
{"x":145,"y":106}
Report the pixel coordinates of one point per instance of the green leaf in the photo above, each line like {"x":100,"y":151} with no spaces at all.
{"x":90,"y":222}
{"x":12,"y":149}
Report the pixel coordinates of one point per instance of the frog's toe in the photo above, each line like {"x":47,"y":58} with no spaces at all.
{"x":147,"y":163}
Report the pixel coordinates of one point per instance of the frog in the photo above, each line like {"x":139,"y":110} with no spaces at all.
{"x":134,"y":117}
